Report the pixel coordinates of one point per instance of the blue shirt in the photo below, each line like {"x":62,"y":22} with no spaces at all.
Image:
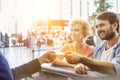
{"x":115,"y":59}
{"x":5,"y":71}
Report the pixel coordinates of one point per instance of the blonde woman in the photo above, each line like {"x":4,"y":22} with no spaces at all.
{"x":79,"y":31}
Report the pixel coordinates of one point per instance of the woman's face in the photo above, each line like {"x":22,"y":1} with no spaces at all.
{"x":76,"y":33}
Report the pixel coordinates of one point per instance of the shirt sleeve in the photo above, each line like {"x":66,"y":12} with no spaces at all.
{"x":26,"y":69}
{"x":5,"y":71}
{"x":116,"y":64}
{"x":88,"y":50}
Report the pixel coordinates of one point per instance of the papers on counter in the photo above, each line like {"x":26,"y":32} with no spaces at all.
{"x":68,"y":71}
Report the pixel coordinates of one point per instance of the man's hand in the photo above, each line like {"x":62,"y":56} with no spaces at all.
{"x":59,"y":62}
{"x":47,"y":57}
{"x":81,"y":68}
{"x":72,"y":57}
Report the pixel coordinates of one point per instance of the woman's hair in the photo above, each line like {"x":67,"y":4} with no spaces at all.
{"x":110,"y":16}
{"x":82,"y":24}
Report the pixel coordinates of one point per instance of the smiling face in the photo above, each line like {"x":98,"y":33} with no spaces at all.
{"x":79,"y":30}
{"x":105,"y":30}
{"x":76,"y":33}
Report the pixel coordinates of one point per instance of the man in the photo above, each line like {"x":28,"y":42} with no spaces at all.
{"x":106,"y":58}
{"x":25,"y":69}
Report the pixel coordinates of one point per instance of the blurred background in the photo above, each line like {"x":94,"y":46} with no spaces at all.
{"x":20,"y":16}
{"x":35,"y":26}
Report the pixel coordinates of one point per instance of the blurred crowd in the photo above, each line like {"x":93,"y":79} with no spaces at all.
{"x":33,"y":39}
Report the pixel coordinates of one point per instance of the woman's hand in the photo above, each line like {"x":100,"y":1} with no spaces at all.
{"x":47,"y":57}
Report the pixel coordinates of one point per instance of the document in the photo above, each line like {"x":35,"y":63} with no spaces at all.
{"x":68,"y":71}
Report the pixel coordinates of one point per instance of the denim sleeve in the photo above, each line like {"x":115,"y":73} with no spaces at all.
{"x":116,"y":63}
{"x":5,"y":71}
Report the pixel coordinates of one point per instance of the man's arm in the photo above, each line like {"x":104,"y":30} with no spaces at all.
{"x":26,"y":69}
{"x":100,"y":66}
{"x":33,"y":66}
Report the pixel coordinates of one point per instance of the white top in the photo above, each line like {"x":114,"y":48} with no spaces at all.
{"x":106,"y":54}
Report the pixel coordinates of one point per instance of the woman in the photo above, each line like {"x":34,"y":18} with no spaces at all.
{"x":79,"y":31}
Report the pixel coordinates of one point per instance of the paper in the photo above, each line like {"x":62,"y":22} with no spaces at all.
{"x":68,"y":71}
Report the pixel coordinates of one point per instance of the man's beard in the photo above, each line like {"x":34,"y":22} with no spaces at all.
{"x":109,"y":34}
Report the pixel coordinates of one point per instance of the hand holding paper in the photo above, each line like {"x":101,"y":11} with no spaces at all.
{"x":47,"y":57}
{"x":63,"y":63}
{"x":72,"y":57}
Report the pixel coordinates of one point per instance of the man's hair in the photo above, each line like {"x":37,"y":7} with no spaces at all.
{"x":110,"y":16}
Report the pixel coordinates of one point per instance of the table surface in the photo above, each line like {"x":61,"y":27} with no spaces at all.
{"x":47,"y":67}
{"x":68,"y":71}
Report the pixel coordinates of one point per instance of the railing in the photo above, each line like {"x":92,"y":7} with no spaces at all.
{"x":45,"y":48}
